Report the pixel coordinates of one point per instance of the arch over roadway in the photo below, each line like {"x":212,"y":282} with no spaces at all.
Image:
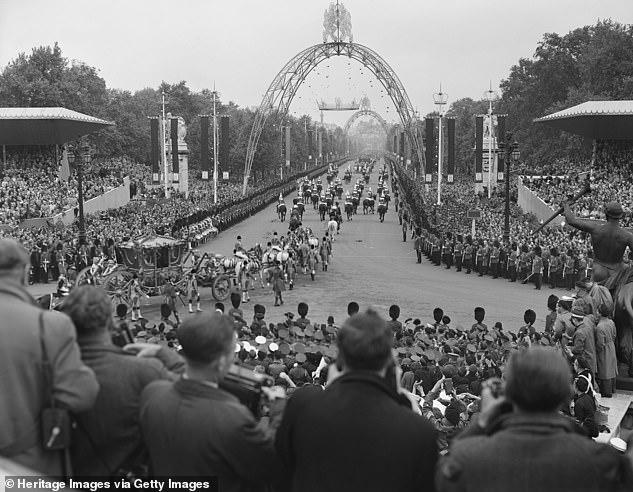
{"x":366,"y":112}
{"x":284,"y":86}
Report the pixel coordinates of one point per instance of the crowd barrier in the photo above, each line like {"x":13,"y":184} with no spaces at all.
{"x":115,"y":198}
{"x":530,"y":203}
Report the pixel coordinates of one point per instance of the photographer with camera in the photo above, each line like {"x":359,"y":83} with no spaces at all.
{"x":521,"y":441}
{"x":106,"y":440}
{"x":360,"y":433}
{"x":193,"y":427}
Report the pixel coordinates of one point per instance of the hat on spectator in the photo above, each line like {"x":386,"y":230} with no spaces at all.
{"x":453,"y":411}
{"x":577,"y":312}
{"x":12,"y":254}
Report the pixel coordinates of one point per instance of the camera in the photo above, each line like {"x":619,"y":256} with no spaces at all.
{"x":247,"y":386}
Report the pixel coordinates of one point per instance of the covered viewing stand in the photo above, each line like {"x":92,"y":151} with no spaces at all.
{"x":598,"y":120}
{"x":48,"y":126}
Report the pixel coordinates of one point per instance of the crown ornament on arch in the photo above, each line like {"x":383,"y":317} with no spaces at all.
{"x":337,"y":24}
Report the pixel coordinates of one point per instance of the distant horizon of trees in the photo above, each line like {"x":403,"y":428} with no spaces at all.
{"x":588,"y":63}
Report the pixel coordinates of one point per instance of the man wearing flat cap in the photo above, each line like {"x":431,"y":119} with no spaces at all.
{"x":609,"y":240}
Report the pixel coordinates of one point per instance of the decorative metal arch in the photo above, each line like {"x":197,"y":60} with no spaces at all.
{"x":366,"y":112}
{"x":284,"y":86}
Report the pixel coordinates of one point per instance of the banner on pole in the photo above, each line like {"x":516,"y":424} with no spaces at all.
{"x":174,"y":148}
{"x":225,"y":137}
{"x":479,"y":144}
{"x":431,"y":164}
{"x":155,"y":149}
{"x":451,"y":149}
{"x":501,"y":134}
{"x":205,"y":163}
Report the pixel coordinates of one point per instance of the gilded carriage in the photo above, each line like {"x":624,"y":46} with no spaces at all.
{"x":156,"y":260}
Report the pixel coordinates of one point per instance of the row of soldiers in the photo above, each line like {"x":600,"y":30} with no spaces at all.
{"x":505,"y":260}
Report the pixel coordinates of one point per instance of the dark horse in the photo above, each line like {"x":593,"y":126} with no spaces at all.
{"x":349,"y":210}
{"x":368,"y":205}
{"x":382,"y":209}
{"x":323,"y":208}
{"x":281,"y":211}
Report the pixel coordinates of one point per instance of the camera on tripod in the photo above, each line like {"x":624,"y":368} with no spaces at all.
{"x":247,"y":386}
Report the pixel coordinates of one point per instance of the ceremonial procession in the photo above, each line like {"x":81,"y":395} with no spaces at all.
{"x":348,"y":282}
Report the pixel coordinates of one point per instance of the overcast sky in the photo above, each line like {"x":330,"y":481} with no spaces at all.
{"x":242,"y":44}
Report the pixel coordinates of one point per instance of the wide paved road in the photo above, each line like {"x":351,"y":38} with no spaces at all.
{"x":374,"y":267}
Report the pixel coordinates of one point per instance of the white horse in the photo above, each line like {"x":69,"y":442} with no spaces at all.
{"x":332,"y":227}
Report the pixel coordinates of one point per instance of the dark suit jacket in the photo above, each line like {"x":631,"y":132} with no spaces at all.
{"x":356,"y":435}
{"x":108,"y":434}
{"x":22,"y":390}
{"x":193,"y":429}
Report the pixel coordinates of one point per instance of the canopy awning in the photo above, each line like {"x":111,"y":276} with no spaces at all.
{"x":600,"y":120}
{"x":45,"y":126}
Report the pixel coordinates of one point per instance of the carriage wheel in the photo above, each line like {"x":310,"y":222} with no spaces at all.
{"x":116,"y":286}
{"x":221,"y":287}
{"x":82,"y":277}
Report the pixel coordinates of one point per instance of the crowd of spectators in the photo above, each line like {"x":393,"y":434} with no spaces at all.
{"x":427,"y":404}
{"x":33,"y":186}
{"x":610,"y":178}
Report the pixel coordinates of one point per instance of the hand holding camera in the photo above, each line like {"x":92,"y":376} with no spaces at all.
{"x":493,"y":401}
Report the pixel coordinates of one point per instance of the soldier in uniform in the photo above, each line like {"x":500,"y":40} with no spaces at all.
{"x":324,"y":253}
{"x":447,"y":251}
{"x":171,"y":295}
{"x":313,"y":260}
{"x":480,"y":259}
{"x":503,"y":260}
{"x":537,"y":268}
{"x":238,"y":245}
{"x":417,"y":245}
{"x":523,"y":262}
{"x":468,"y":255}
{"x":458,"y":252}
{"x":193,"y":294}
{"x":569,"y":272}
{"x":494,"y":259}
{"x":243,"y":280}
{"x":135,"y":297}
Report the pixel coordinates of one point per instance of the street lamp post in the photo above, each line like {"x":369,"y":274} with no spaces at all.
{"x":85,"y":160}
{"x":490,"y":96}
{"x":440,"y":99}
{"x":215,"y":147}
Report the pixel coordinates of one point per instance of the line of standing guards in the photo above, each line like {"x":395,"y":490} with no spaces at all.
{"x":507,"y":261}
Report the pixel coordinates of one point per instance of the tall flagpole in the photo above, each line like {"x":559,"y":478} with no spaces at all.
{"x":215,"y":149}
